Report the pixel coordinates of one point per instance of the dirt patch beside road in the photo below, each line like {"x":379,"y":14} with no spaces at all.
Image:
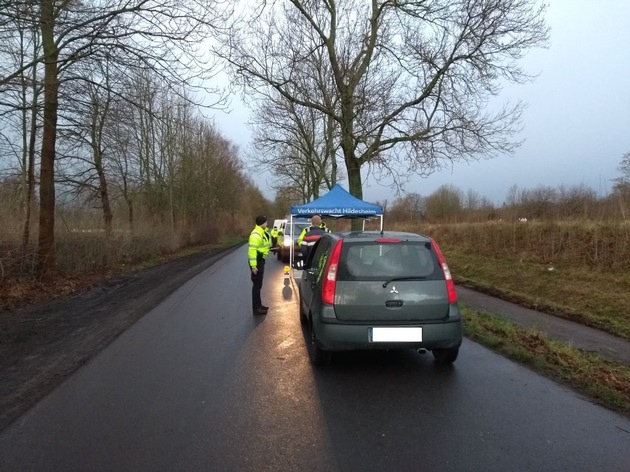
{"x":44,"y":343}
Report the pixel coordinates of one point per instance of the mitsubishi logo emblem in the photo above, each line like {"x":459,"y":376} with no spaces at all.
{"x":393,"y":290}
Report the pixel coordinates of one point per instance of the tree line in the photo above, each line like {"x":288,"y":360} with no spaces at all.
{"x":449,"y":204}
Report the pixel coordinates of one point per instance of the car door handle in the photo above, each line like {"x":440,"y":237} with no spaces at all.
{"x":394,"y":303}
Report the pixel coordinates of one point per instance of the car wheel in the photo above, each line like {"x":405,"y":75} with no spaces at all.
{"x":318,"y":356}
{"x":445,"y":356}
{"x":279,"y":254}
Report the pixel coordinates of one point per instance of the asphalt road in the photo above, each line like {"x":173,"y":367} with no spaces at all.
{"x":199,"y":384}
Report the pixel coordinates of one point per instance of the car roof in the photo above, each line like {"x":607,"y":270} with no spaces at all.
{"x":352,"y":236}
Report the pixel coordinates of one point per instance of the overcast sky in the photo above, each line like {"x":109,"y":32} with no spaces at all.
{"x":576,"y":125}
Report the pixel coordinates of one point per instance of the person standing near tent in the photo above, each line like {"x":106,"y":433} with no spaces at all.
{"x":309,"y":240}
{"x":316,"y":222}
{"x":257,"y":251}
{"x":309,"y":236}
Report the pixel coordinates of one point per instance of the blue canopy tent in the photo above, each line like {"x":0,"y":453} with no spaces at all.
{"x":337,"y":203}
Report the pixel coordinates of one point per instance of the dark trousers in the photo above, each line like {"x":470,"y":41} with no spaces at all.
{"x":257,"y":282}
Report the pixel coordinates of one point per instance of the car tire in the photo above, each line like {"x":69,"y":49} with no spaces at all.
{"x":445,"y":356}
{"x":279,"y":254}
{"x":317,"y":355}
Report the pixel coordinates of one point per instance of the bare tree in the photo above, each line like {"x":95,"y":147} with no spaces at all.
{"x":576,"y":201}
{"x":624,"y":170}
{"x":472,"y":200}
{"x":300,"y":144}
{"x":410,"y":208}
{"x":297,"y":144}
{"x":445,"y":204}
{"x":87,"y":134}
{"x":621,"y":189}
{"x":124,"y":151}
{"x":412,"y":80}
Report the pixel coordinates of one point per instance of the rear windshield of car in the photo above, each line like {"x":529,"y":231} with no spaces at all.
{"x":373,"y":260}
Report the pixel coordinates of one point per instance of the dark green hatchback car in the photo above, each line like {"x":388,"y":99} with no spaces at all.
{"x":379,"y":290}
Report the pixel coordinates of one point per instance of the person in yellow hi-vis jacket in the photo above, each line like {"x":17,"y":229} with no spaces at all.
{"x":274,"y":236}
{"x":316,"y":222}
{"x":257,"y":251}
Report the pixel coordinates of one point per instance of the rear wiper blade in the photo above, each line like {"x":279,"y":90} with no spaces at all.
{"x":402,"y":278}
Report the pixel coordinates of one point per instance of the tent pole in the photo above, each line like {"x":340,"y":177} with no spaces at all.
{"x":291,"y":248}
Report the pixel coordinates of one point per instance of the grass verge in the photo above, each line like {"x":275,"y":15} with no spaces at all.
{"x":606,"y":383}
{"x":588,"y":296}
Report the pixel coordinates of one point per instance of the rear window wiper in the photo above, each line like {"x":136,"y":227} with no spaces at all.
{"x":403,"y":278}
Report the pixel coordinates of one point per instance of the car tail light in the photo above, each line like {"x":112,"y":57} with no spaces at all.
{"x":450,"y":285}
{"x":330,"y":275}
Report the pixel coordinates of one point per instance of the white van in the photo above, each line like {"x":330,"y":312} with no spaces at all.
{"x":280,"y":224}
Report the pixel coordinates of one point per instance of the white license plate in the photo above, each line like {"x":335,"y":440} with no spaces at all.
{"x":397,"y":335}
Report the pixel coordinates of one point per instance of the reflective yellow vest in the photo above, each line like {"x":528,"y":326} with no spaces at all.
{"x":259,"y":242}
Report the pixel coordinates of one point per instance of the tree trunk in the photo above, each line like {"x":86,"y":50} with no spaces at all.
{"x":354,"y":184}
{"x":130,"y":214}
{"x":107,"y":212}
{"x":46,"y":252}
{"x":330,"y":150}
{"x":30,"y":179}
{"x":353,"y":164}
{"x":104,"y":193}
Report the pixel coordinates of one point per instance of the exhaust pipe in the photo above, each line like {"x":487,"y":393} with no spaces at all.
{"x":422,"y":351}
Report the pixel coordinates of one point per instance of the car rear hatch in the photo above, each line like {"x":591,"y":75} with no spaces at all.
{"x":390,"y":280}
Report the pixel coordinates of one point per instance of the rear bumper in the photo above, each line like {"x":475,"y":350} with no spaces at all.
{"x":344,"y":337}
